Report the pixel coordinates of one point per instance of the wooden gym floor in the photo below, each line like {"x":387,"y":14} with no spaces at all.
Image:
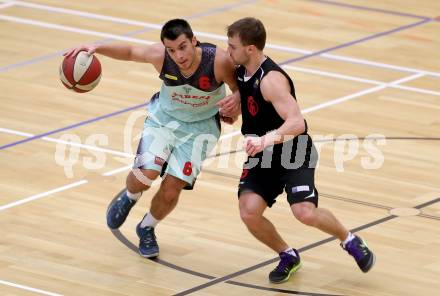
{"x":367,"y":71}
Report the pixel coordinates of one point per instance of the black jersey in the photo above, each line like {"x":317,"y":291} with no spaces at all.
{"x":260,"y":117}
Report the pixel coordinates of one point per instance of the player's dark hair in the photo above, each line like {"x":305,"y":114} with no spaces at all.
{"x":174,"y":28}
{"x":250,"y":30}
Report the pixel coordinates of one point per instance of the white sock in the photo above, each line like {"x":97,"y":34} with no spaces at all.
{"x":149,"y":221}
{"x":290,"y":251}
{"x":350,"y":236}
{"x":134,"y":196}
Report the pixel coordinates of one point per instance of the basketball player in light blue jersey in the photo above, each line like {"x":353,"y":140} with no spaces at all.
{"x":183,"y":123}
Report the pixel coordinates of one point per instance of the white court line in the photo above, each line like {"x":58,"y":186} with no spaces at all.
{"x":7,"y":4}
{"x":308,"y":110}
{"x":29,"y":288}
{"x":40,"y":195}
{"x":141,"y":24}
{"x":377,"y":64}
{"x":118,"y":170}
{"x":368,"y":81}
{"x":71,"y":29}
{"x":344,"y":98}
{"x":321,"y":106}
{"x":221,"y":37}
{"x":332,"y":74}
{"x":88,"y":147}
{"x":136,"y":40}
{"x":360,"y":93}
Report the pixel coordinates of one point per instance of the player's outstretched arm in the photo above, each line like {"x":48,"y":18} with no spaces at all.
{"x":152,"y":54}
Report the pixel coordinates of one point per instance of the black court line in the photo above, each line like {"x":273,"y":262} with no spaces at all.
{"x":348,"y":139}
{"x":227,"y":278}
{"x":423,"y":205}
{"x":117,"y":233}
{"x":252,"y":268}
{"x":332,"y":196}
{"x":284,"y":291}
{"x":429,"y":216}
{"x":308,"y":247}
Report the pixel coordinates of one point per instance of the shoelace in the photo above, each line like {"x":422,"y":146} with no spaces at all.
{"x":283,"y":266}
{"x":123,"y":208}
{"x":358,"y":250}
{"x":148,"y":238}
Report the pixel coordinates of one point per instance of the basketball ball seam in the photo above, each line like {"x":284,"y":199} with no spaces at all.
{"x":88,"y":70}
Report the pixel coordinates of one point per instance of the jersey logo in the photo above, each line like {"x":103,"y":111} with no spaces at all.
{"x":170,"y":77}
{"x":186,"y":89}
{"x":204,"y":82}
{"x":252,"y":106}
{"x":244,"y":174}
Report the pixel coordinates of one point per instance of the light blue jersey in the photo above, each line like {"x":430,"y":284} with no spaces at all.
{"x":191,"y":98}
{"x":182,"y":127}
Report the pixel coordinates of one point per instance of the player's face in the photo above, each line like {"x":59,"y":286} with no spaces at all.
{"x":182,"y":51}
{"x":237,"y":50}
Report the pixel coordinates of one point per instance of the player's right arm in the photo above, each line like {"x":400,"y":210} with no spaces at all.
{"x":152,"y":54}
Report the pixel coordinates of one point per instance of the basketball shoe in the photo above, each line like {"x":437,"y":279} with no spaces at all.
{"x":361,"y":253}
{"x":288,"y":265}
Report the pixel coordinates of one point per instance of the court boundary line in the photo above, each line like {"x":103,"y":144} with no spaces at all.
{"x":147,"y":42}
{"x":75,"y":125}
{"x":380,"y":86}
{"x":226,"y":278}
{"x":88,"y":31}
{"x":216,"y":36}
{"x":49,"y":293}
{"x":305,"y":111}
{"x":367,"y":8}
{"x":155,"y":183}
{"x":243,"y":271}
{"x":28,"y":288}
{"x":357,"y":41}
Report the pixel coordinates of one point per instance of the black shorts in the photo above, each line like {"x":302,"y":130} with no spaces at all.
{"x":299,"y":184}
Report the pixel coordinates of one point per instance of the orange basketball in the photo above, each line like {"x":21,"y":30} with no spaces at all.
{"x":80,"y":73}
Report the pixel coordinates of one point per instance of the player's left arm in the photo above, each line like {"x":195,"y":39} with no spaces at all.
{"x":275,"y":89}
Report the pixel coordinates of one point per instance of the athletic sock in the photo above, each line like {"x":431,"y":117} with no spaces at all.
{"x":134,"y":196}
{"x":149,"y":221}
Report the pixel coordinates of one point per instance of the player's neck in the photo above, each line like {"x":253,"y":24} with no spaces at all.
{"x":254,"y":64}
{"x":195,"y":64}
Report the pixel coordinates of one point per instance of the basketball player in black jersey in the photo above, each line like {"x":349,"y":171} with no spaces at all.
{"x":281,"y":153}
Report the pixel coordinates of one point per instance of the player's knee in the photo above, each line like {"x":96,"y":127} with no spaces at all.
{"x":139,"y":181}
{"x":304,"y":213}
{"x":248,"y":217}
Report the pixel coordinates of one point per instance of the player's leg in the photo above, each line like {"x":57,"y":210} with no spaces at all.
{"x":252,"y":205}
{"x":183,"y":166}
{"x":303,"y":198}
{"x":163,"y":202}
{"x":153,"y":149}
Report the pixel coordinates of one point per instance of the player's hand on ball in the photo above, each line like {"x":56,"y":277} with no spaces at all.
{"x":89,"y":48}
